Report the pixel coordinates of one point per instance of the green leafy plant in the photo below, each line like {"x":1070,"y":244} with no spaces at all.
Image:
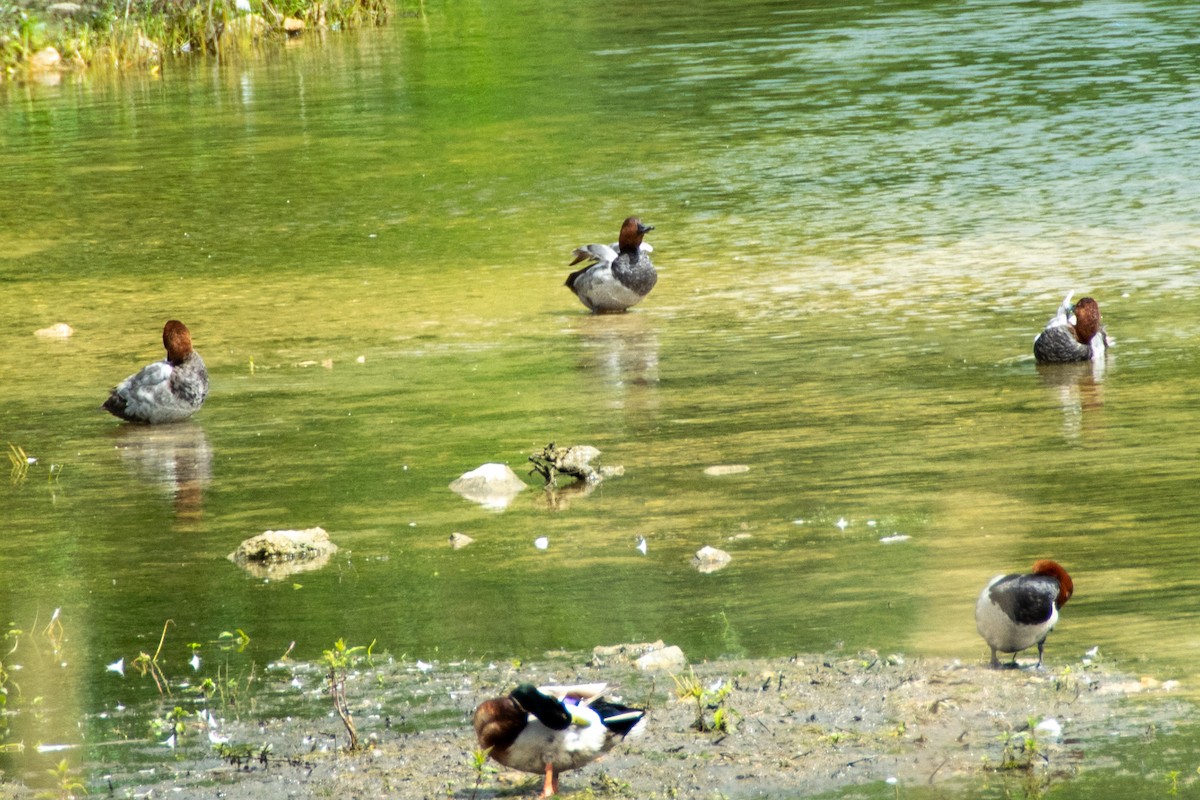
{"x":479,"y":763}
{"x":724,"y":716}
{"x":149,"y":664}
{"x":339,"y":658}
{"x":67,"y":785}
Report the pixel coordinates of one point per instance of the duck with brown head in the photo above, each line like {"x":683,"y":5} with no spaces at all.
{"x":170,"y":390}
{"x":1015,"y":612}
{"x":1076,"y":333}
{"x":620,"y":275}
{"x":552,"y":729}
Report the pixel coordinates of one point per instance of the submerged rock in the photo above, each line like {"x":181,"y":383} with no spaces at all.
{"x":59,"y":330}
{"x":493,"y":486}
{"x":460,"y":540}
{"x":710,"y":559}
{"x":718,"y":470}
{"x":278,"y":553}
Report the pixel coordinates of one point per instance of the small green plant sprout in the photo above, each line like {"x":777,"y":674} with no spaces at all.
{"x":174,"y":725}
{"x":67,"y":785}
{"x":479,"y":763}
{"x":689,"y":689}
{"x":14,"y":635}
{"x":1173,"y":782}
{"x":54,"y":632}
{"x":340,"y":658}
{"x":233,"y":640}
{"x":146,"y":663}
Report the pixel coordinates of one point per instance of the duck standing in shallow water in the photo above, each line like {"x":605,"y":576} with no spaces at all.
{"x":1074,"y":334}
{"x":170,"y":390}
{"x":617,"y":278}
{"x":553,"y":729}
{"x":1015,"y":612}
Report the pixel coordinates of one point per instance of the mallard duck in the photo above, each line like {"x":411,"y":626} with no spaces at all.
{"x":1015,"y":612}
{"x":619,"y":276}
{"x":1075,"y":333}
{"x":166,"y":391}
{"x":553,"y":729}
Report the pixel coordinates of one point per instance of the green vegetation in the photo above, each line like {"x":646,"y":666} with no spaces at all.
{"x":339,"y":659}
{"x":716,"y":700}
{"x":51,"y":36}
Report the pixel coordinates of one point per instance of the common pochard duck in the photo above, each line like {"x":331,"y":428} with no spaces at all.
{"x":553,"y":729}
{"x":1075,"y":333}
{"x":166,"y":391}
{"x":1015,"y":612}
{"x":618,"y":276}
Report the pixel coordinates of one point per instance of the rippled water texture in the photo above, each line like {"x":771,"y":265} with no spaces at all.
{"x":864,"y":214}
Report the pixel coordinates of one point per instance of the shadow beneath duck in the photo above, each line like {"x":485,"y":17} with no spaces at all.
{"x":176,"y":456}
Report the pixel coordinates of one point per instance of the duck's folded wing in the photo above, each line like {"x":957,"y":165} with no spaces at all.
{"x":596,"y":253}
{"x":1065,"y":314}
{"x":578,"y":691}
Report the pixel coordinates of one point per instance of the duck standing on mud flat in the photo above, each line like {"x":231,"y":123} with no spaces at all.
{"x":1073,"y":334}
{"x":619,"y":275}
{"x":1015,"y":612}
{"x":170,"y":390}
{"x":553,"y":729}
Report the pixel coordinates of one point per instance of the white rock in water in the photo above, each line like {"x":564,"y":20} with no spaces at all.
{"x":493,"y":486}
{"x":59,"y":330}
{"x":460,"y":540}
{"x":726,"y":469}
{"x":710,"y":559}
{"x":667,"y":658}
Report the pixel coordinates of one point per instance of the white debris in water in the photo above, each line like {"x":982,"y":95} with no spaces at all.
{"x":541,"y":543}
{"x":898,"y":537}
{"x":641,"y":545}
{"x":117,"y":666}
{"x":842,"y":523}
{"x":1048,"y":729}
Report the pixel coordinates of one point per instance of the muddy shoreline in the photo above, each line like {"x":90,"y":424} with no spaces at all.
{"x":797,"y":727}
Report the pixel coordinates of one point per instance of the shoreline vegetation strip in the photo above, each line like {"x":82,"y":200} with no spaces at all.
{"x":48,"y":37}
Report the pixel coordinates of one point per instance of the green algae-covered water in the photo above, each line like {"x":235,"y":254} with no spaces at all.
{"x":863,"y":215}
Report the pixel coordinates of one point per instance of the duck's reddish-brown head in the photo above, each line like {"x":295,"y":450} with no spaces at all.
{"x":1087,"y":319}
{"x":178,"y":341}
{"x":632,"y":231}
{"x":1054,"y":570}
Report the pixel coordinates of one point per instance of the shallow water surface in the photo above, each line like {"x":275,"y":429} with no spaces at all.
{"x":863,"y":213}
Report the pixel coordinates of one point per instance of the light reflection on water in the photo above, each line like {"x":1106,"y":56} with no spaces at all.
{"x":863,"y":216}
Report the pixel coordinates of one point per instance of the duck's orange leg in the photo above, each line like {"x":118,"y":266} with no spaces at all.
{"x":550,"y":789}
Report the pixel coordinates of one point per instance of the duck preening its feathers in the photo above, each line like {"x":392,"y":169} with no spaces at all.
{"x":553,"y":729}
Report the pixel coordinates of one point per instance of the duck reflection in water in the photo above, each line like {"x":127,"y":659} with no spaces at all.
{"x":620,"y":352}
{"x":177,"y":457}
{"x":1079,"y":390}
